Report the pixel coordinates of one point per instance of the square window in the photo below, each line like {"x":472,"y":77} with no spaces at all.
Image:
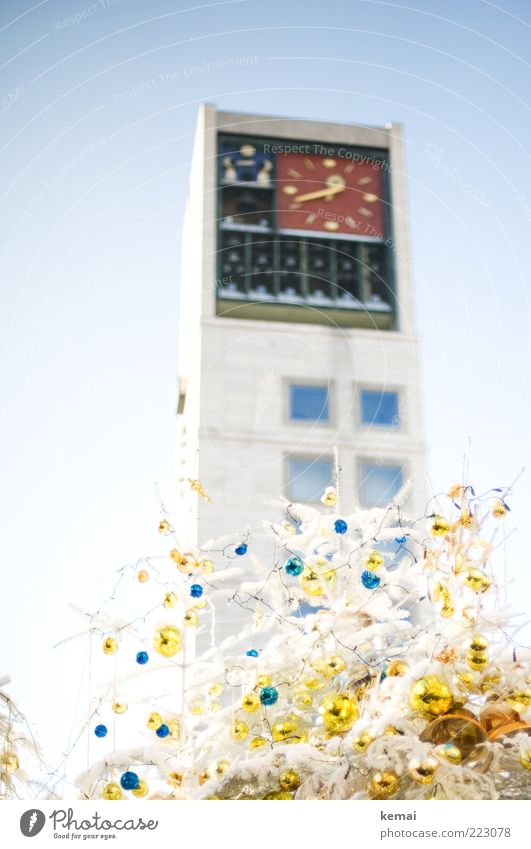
{"x":379,"y":408}
{"x":307,"y":478}
{"x":379,"y":484}
{"x":308,"y":403}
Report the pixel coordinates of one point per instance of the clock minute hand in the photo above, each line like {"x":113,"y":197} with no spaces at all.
{"x":322,"y":193}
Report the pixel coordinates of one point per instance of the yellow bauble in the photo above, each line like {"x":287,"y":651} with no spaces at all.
{"x":287,"y":731}
{"x":239,"y":730}
{"x":206,"y":566}
{"x":164,"y":527}
{"x":313,"y":582}
{"x":391,"y":730}
{"x":190,"y":618}
{"x":302,"y":700}
{"x":520,"y":701}
{"x":112,"y":791}
{"x":170,"y":600}
{"x":383,"y":785}
{"x":447,"y":609}
{"x":257,"y":742}
{"x":216,"y":689}
{"x":329,"y":498}
{"x":154,"y":720}
{"x":196,"y":707}
{"x":498,"y":509}
{"x":10,"y":762}
{"x":250,"y":702}
{"x":178,"y":558}
{"x":175,"y":779}
{"x":439,"y":526}
{"x":362,"y":742}
{"x":464,"y":681}
{"x":335,"y":664}
{"x":263,"y":681}
{"x":167,"y":640}
{"x":478,"y":643}
{"x":525,"y":758}
{"x":476,"y":580}
{"x":142,"y":789}
{"x":110,"y":645}
{"x":449,"y":752}
{"x":214,"y":706}
{"x":396,"y":668}
{"x":278,"y":794}
{"x":340,"y":712}
{"x":490,"y":682}
{"x":440,"y":591}
{"x":203,"y":777}
{"x":314,"y":683}
{"x":423,"y":771}
{"x":119,"y":707}
{"x":373,"y":561}
{"x":289,"y":780}
{"x":431,"y":695}
{"x":221,"y":767}
{"x":142,"y":576}
{"x":477,"y":660}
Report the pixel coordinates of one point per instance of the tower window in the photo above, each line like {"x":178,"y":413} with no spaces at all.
{"x":308,"y":478}
{"x":379,"y":484}
{"x":308,"y":403}
{"x":379,"y":408}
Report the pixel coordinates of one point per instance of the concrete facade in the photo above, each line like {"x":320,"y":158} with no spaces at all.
{"x":236,"y":436}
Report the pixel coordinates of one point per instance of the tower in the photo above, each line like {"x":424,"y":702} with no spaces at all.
{"x":297,"y":327}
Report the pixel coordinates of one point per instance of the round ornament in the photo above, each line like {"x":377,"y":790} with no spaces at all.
{"x":111,"y":791}
{"x":110,"y":645}
{"x":142,"y":576}
{"x":431,"y":695}
{"x":439,"y":526}
{"x":477,"y":660}
{"x":340,"y":526}
{"x":239,"y":730}
{"x":241,"y":549}
{"x":142,"y":657}
{"x":383,"y":784}
{"x":251,"y":653}
{"x":396,"y":668}
{"x":329,"y":498}
{"x":362,"y":742}
{"x":294,"y":566}
{"x":142,"y":790}
{"x":340,"y":712}
{"x":119,"y":707}
{"x":129,"y":780}
{"x":463,"y":732}
{"x":250,"y":702}
{"x":525,"y":758}
{"x":167,"y":640}
{"x":257,"y":742}
{"x":476,"y":580}
{"x":164,"y":526}
{"x":100,"y":731}
{"x":423,"y":771}
{"x":196,"y":590}
{"x":369,"y":580}
{"x":162,"y":731}
{"x":289,"y":780}
{"x":268,"y":696}
{"x":9,"y":762}
{"x":170,"y":600}
{"x":302,"y":700}
{"x":154,"y":721}
{"x":373,"y":561}
{"x":449,"y":752}
{"x":190,"y":618}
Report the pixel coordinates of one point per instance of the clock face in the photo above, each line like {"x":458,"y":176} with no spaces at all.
{"x":329,"y":195}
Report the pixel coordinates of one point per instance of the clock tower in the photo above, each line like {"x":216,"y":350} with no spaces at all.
{"x":297,"y":327}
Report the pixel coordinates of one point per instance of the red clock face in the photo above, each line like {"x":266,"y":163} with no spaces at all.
{"x":331,"y":195}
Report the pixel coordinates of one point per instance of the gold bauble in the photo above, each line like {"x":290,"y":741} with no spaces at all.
{"x":490,"y":682}
{"x":391,"y":730}
{"x":110,"y":645}
{"x":190,"y":618}
{"x":396,"y":668}
{"x":449,"y":752}
{"x":164,"y":526}
{"x":142,"y":789}
{"x":167,"y":640}
{"x":112,"y":791}
{"x":440,"y":591}
{"x":239,"y":730}
{"x":216,"y":689}
{"x":288,"y":730}
{"x":455,"y":491}
{"x":312,"y":582}
{"x":476,"y":580}
{"x":278,"y":794}
{"x":329,"y":498}
{"x":142,"y":576}
{"x":303,"y":700}
{"x":329,"y":666}
{"x":525,"y":758}
{"x":154,"y":721}
{"x":196,"y":707}
{"x":178,"y":558}
{"x":289,"y":780}
{"x":340,"y":712}
{"x":423,"y":771}
{"x":314,"y":683}
{"x":463,"y":732}
{"x":119,"y":707}
{"x":464,"y":681}
{"x":477,"y":660}
{"x":439,"y":526}
{"x":447,"y":609}
{"x":250,"y":702}
{"x":497,"y":714}
{"x":214,"y":706}
{"x":520,"y":700}
{"x":258,"y":742}
{"x":221,"y":767}
{"x":206,"y":566}
{"x":263,"y":681}
{"x":498,"y":509}
{"x":175,"y":779}
{"x":362,"y":742}
{"x":170,"y":600}
{"x":203,"y":777}
{"x":9,"y":762}
{"x":431,"y":695}
{"x":478,"y":643}
{"x":383,"y":784}
{"x":373,"y":560}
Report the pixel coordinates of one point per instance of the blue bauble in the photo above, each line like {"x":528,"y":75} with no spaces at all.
{"x":369,"y":580}
{"x":129,"y":780}
{"x":162,"y":731}
{"x":241,"y":549}
{"x":268,"y":696}
{"x":196,"y":590}
{"x":251,"y":653}
{"x":340,"y":526}
{"x":400,"y":540}
{"x":294,"y":566}
{"x":142,"y":657}
{"x":100,"y":731}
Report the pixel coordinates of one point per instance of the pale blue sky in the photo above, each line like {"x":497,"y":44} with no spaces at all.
{"x":93,"y":184}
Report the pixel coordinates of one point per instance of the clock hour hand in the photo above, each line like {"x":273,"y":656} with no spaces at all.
{"x":322,"y":193}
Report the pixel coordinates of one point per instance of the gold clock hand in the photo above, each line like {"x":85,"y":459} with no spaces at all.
{"x":322,"y":193}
